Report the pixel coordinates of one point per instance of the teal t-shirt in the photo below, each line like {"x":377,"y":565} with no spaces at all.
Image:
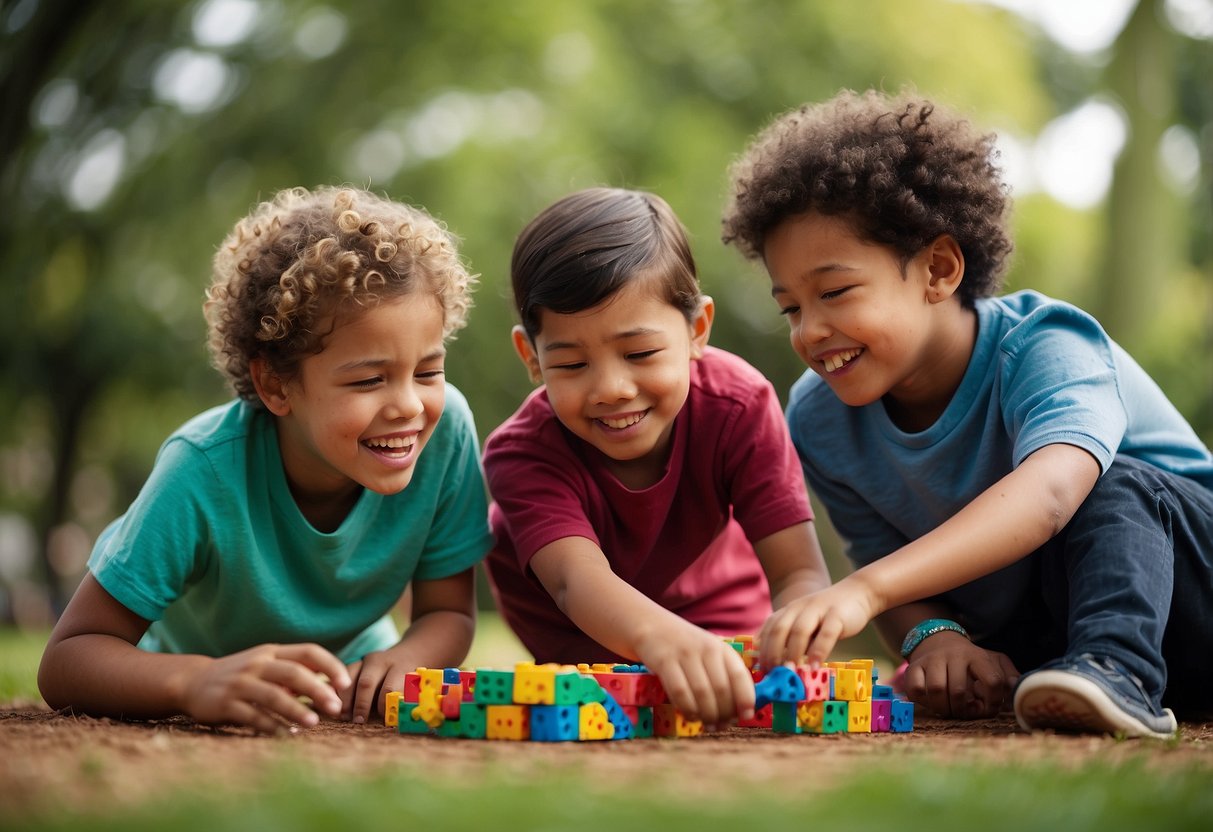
{"x":216,"y":554}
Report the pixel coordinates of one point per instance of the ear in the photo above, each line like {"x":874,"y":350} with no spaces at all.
{"x":701,"y":326}
{"x":526,"y":354}
{"x":945,"y":265}
{"x":270,"y":387}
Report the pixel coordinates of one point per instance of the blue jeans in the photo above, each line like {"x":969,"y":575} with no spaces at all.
{"x":1131,"y":578}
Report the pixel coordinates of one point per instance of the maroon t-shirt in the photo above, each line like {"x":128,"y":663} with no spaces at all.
{"x":685,"y":542}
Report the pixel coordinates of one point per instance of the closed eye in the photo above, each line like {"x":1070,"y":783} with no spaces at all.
{"x":789,"y":310}
{"x":835,"y":293}
{"x":642,"y":354}
{"x":367,"y":382}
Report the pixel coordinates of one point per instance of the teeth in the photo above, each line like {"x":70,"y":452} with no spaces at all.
{"x":838,"y":359}
{"x":620,"y":424}
{"x":395,"y":443}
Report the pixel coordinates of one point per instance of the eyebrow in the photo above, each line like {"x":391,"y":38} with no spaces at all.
{"x":369,"y":363}
{"x":618,"y":336}
{"x":825,"y":268}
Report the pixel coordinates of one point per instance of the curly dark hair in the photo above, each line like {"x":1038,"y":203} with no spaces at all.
{"x":303,"y":256}
{"x":900,"y":168}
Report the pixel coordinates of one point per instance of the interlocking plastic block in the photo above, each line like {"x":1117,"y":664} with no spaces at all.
{"x":859,"y":717}
{"x":852,"y":684}
{"x":593,"y":722}
{"x":452,"y":698}
{"x":429,"y":708}
{"x":494,"y":687}
{"x":882,"y":715}
{"x":450,"y":675}
{"x":632,"y":687}
{"x":555,"y":723}
{"x":467,"y":678}
{"x":534,"y":684}
{"x":816,"y":682}
{"x":407,"y":724}
{"x":508,"y":722}
{"x":762,"y":718}
{"x":784,"y":719}
{"x":431,"y":677}
{"x":669,"y":722}
{"x":834,"y":720}
{"x":882,"y":692}
{"x":781,"y":684}
{"x":591,"y":691}
{"x":902,"y":717}
{"x":811,"y":716}
{"x":391,"y":708}
{"x":641,"y":718}
{"x":567,"y":684}
{"x":619,"y":720}
{"x":412,"y":687}
{"x":473,"y":720}
{"x":450,"y":728}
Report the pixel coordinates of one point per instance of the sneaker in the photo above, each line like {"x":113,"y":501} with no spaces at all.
{"x":1089,"y":695}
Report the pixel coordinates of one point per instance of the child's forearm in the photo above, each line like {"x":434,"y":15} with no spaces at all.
{"x":793,"y":563}
{"x":107,"y":676}
{"x":1011,"y":519}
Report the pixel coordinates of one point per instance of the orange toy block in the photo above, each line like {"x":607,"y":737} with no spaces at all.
{"x":668,"y":722}
{"x":451,"y":699}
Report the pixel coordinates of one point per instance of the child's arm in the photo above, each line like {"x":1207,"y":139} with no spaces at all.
{"x":703,"y":676}
{"x":1006,"y":522}
{"x":795,"y":568}
{"x":948,"y":674}
{"x":440,"y":635}
{"x":91,"y":663}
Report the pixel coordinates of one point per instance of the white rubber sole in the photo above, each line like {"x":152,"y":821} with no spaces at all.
{"x":1068,"y":702}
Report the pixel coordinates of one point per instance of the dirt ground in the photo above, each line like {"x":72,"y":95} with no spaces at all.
{"x":48,"y":758}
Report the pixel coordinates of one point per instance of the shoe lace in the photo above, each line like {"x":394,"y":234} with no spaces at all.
{"x":1115,"y":671}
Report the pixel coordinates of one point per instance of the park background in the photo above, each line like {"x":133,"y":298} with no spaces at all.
{"x":134,"y":132}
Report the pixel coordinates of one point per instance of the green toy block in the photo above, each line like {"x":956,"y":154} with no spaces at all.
{"x":450,"y":728}
{"x":591,"y":691}
{"x":784,"y":719}
{"x":473,"y":720}
{"x":568,"y":688}
{"x":642,"y":725}
{"x":494,"y":687}
{"x":405,"y":723}
{"x":835,"y":719}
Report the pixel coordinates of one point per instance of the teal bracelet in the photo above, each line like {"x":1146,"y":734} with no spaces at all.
{"x":926,"y":629}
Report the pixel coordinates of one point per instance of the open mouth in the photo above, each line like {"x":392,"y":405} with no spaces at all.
{"x":840,"y":359}
{"x":621,"y":422}
{"x":395,"y":447}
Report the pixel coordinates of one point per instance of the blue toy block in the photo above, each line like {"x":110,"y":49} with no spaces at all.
{"x":450,"y":676}
{"x":781,"y":684}
{"x":623,"y":725}
{"x":902,"y":718}
{"x":882,"y":692}
{"x":555,"y":723}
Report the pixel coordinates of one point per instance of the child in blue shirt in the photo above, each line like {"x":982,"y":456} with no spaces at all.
{"x":261,"y":560}
{"x":1015,"y":492}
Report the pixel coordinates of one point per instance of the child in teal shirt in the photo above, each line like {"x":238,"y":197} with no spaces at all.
{"x":276,"y":532}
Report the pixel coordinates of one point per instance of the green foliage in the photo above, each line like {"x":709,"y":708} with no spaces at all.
{"x":20,"y":653}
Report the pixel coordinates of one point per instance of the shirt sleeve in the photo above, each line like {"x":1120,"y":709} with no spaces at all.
{"x":146,"y":558}
{"x":1059,"y":385}
{"x":761,"y":472}
{"x":459,"y":535}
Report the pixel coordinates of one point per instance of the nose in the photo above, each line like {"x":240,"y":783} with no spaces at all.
{"x":403,"y":402}
{"x":613,"y":383}
{"x":808,"y":330}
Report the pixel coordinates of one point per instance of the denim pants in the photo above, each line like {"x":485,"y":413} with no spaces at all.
{"x":1130,"y":578}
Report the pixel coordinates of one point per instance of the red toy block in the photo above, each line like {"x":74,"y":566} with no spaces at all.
{"x":762,"y":718}
{"x":412,"y":688}
{"x":467,"y":678}
{"x":452,"y":698}
{"x":641,"y":689}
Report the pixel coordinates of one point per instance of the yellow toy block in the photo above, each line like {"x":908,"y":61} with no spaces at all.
{"x":508,"y":722}
{"x":859,"y":717}
{"x":811,"y":716}
{"x":668,"y":721}
{"x":534,"y":684}
{"x":431,"y":678}
{"x":593,"y":723}
{"x":391,"y":711}
{"x":429,"y":710}
{"x":852,"y":684}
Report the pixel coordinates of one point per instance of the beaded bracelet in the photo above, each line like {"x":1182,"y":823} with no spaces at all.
{"x":926,"y":629}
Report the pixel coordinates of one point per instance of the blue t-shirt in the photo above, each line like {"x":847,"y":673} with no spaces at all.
{"x":215,"y":552}
{"x":1042,"y":372}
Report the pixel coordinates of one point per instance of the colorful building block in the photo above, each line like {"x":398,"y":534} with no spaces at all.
{"x":641,"y":718}
{"x":882,"y":714}
{"x":668,"y":721}
{"x":811,"y":716}
{"x":901,"y":719}
{"x":391,"y":708}
{"x":859,"y":717}
{"x":834,"y":717}
{"x":473,"y":721}
{"x":555,"y":723}
{"x":494,"y":687}
{"x":781,"y":684}
{"x":508,"y":722}
{"x":784,"y":719}
{"x":534,"y":685}
{"x":594,"y":724}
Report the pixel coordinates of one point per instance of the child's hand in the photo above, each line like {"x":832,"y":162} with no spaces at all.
{"x":952,"y":677}
{"x":374,"y":677}
{"x":261,"y":687}
{"x":703,"y":676}
{"x":810,"y":626}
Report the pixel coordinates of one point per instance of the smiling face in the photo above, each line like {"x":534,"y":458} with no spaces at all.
{"x":618,"y":374}
{"x":360,"y":411}
{"x":869,"y":328}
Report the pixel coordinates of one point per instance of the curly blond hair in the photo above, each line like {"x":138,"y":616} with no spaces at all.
{"x":303,"y":256}
{"x":902,"y":169}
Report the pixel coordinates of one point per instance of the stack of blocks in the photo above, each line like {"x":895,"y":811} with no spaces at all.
{"x":565,"y":703}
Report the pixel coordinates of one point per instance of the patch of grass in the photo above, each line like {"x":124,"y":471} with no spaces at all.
{"x":20,"y":652}
{"x":930,"y":799}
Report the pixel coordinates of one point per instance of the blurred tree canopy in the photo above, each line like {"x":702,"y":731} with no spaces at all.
{"x":134,"y":133}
